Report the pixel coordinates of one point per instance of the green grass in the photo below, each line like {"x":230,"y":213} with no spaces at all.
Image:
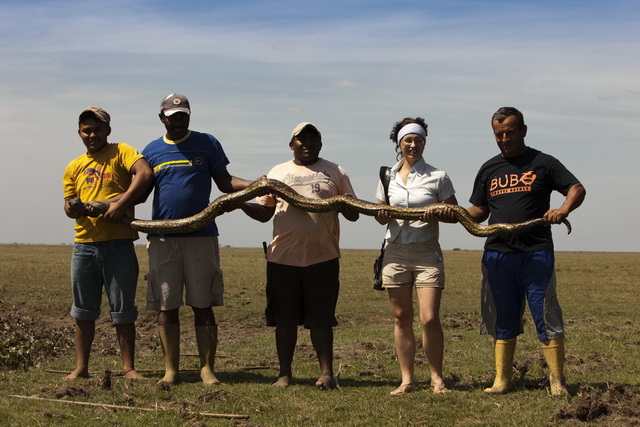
{"x":598,"y":293}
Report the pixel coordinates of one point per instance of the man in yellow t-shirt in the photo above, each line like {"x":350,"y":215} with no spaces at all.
{"x":115,"y":175}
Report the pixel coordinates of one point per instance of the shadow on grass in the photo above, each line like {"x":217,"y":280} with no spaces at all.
{"x":231,"y":377}
{"x":269,"y":376}
{"x":532,"y":384}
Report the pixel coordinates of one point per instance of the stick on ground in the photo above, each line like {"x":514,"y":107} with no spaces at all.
{"x":131,"y":408}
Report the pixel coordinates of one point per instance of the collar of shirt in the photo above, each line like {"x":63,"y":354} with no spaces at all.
{"x":419,"y":168}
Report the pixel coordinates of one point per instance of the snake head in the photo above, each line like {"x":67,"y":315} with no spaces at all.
{"x":76,"y":206}
{"x":96,"y":208}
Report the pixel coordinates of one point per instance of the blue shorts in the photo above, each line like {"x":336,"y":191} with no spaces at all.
{"x":303,"y":295}
{"x":112,"y":264}
{"x":509,"y":282}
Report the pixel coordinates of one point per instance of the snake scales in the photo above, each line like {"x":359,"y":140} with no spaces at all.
{"x":272,"y":186}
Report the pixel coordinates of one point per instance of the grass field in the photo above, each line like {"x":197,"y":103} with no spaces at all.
{"x":598,"y":293}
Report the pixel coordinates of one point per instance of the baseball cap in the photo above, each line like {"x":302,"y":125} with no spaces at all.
{"x":302,"y":126}
{"x":175,"y":103}
{"x":97,"y":113}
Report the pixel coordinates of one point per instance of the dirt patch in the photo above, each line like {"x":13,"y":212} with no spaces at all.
{"x":520,"y":368}
{"x":62,"y":392}
{"x":613,"y":406}
{"x":593,"y":361}
{"x":464,"y":321}
{"x":26,"y":339}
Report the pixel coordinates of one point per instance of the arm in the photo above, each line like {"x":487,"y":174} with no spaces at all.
{"x":350,"y":214}
{"x":478,"y":213}
{"x":229,"y":184}
{"x":575,"y":197}
{"x":258,"y":212}
{"x":142,"y":178}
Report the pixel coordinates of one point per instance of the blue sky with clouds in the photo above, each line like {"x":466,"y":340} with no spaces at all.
{"x":253,"y":69}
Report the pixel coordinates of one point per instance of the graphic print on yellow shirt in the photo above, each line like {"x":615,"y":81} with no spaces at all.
{"x":100,"y":176}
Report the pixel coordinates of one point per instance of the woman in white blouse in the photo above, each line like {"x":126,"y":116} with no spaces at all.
{"x":412,"y":255}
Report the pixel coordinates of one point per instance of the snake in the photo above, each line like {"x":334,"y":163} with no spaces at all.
{"x":264,"y":186}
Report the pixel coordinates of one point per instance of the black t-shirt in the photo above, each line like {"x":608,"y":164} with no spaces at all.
{"x":519,"y":189}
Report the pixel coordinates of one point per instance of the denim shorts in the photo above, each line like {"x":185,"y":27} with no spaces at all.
{"x":111,"y":264}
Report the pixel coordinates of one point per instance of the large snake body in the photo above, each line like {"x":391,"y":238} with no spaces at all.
{"x":272,"y":186}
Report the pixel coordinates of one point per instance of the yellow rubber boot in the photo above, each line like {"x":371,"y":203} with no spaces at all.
{"x":553,"y":351}
{"x":207,"y":337}
{"x":170,"y":341}
{"x":504,"y":351}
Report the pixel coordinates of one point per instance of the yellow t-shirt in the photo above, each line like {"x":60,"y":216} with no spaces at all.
{"x":100,"y":176}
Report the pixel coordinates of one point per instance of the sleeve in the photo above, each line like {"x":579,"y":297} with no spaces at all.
{"x":345,"y":183}
{"x":446,"y":188}
{"x":478,"y":194}
{"x":68,"y":183}
{"x":128,"y":155}
{"x":563,"y":180}
{"x":219,"y":160}
{"x":380,"y":191}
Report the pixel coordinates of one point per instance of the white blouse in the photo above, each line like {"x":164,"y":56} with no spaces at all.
{"x":425,"y":185}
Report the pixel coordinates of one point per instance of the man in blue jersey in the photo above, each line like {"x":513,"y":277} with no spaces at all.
{"x":518,"y":268}
{"x":184,"y":163}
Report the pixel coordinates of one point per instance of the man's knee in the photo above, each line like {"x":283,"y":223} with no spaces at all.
{"x":168,"y":317}
{"x":203,"y":316}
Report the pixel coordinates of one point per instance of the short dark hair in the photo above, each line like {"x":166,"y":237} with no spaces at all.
{"x":393,"y":136}
{"x":505,"y":112}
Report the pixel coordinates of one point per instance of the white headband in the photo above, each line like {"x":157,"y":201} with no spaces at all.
{"x":411,"y":128}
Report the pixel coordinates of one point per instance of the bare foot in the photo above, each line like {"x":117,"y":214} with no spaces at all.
{"x":439,"y":387}
{"x":325,"y":382}
{"x":208,"y":377}
{"x":132,"y":374}
{"x":282,"y":381}
{"x":497,"y":389}
{"x":77,"y":373}
{"x":170,"y":378}
{"x":403,"y":389}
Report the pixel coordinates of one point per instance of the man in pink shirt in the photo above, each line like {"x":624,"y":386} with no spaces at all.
{"x":303,"y":257}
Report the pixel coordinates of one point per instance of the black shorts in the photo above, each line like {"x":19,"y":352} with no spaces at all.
{"x":303,"y":295}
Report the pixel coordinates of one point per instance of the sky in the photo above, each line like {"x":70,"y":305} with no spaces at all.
{"x":253,"y":69}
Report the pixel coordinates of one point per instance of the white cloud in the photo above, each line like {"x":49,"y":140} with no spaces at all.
{"x":346,"y":84}
{"x":255,"y":69}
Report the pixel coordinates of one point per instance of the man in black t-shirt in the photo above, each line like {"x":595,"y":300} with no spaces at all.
{"x":518,"y":268}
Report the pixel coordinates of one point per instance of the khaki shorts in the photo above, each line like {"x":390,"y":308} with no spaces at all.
{"x":419,"y":264}
{"x":184,"y":264}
